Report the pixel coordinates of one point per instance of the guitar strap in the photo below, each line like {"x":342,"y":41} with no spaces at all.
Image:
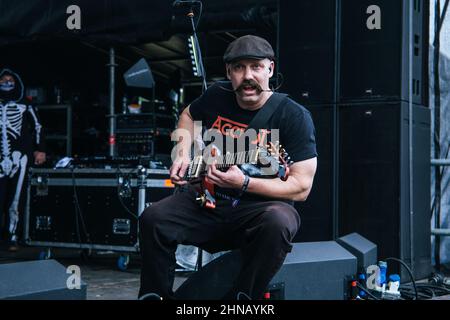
{"x":261,"y":121}
{"x":263,"y":116}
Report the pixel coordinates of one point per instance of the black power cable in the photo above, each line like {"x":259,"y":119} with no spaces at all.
{"x":409,"y":271}
{"x":422,"y":295}
{"x":413,"y":290}
{"x":78,"y":212}
{"x":366,"y":291}
{"x":425,"y":290}
{"x":433,"y":287}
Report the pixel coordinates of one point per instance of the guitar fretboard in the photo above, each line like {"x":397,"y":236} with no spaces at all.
{"x":231,"y":159}
{"x":198,"y":165}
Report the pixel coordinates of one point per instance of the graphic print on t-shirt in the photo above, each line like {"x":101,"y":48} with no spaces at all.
{"x":233,"y":129}
{"x":229,"y":127}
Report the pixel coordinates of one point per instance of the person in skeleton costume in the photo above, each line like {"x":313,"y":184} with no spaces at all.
{"x":21,"y":140}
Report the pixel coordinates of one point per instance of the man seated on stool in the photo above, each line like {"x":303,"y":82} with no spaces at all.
{"x":262,"y":221}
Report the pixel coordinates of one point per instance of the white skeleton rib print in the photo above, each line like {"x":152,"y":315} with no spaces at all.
{"x":13,"y":161}
{"x":11,"y":119}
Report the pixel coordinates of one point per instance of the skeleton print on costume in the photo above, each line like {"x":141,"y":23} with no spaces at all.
{"x":17,"y":142}
{"x":11,"y":116}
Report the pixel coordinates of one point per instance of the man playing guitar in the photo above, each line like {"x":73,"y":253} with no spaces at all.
{"x":251,"y":213}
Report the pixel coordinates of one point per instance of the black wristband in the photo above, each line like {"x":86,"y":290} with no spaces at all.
{"x":243,"y":189}
{"x":245,"y":185}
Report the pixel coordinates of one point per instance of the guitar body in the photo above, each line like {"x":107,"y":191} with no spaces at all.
{"x":209,"y":189}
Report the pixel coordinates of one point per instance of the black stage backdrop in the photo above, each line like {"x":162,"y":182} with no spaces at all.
{"x":123,"y":21}
{"x":126,"y":21}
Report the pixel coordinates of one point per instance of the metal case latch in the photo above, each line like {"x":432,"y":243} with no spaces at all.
{"x":121,"y":226}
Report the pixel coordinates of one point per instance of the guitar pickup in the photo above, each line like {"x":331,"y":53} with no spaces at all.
{"x":195,"y":170}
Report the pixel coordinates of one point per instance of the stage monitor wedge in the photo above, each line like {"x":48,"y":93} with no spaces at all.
{"x":364,"y":250}
{"x":311,"y":271}
{"x":39,"y":280}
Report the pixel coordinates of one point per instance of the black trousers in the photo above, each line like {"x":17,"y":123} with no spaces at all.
{"x":261,"y":230}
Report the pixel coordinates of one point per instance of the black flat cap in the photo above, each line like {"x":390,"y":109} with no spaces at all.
{"x":248,"y":47}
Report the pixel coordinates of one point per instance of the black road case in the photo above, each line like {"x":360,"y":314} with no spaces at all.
{"x":90,"y":208}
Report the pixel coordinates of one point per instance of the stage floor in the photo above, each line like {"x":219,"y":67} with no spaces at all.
{"x":100,"y":272}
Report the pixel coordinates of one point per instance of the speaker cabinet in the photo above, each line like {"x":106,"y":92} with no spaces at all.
{"x":355,"y":55}
{"x":374,"y":180}
{"x":306,"y":48}
{"x":316,"y":212}
{"x":375,"y":44}
{"x":353,"y":50}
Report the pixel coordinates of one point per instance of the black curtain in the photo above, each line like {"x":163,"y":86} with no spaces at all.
{"x":109,"y":21}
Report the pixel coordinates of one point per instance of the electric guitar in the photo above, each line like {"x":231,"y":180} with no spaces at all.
{"x":266,"y":162}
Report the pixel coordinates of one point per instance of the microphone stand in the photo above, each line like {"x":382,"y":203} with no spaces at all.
{"x":196,"y":50}
{"x":200,"y":70}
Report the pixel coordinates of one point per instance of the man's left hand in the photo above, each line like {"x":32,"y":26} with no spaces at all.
{"x":39,"y":157}
{"x":232,"y":178}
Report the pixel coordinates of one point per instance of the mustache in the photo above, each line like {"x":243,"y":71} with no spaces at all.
{"x":247,"y":83}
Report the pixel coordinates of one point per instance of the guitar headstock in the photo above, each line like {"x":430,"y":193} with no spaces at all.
{"x":273,"y":149}
{"x":277,"y":151}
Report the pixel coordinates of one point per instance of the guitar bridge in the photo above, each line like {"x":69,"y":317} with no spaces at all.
{"x":255,"y":156}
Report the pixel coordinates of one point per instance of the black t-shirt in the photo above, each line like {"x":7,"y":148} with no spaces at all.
{"x":218,"y":109}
